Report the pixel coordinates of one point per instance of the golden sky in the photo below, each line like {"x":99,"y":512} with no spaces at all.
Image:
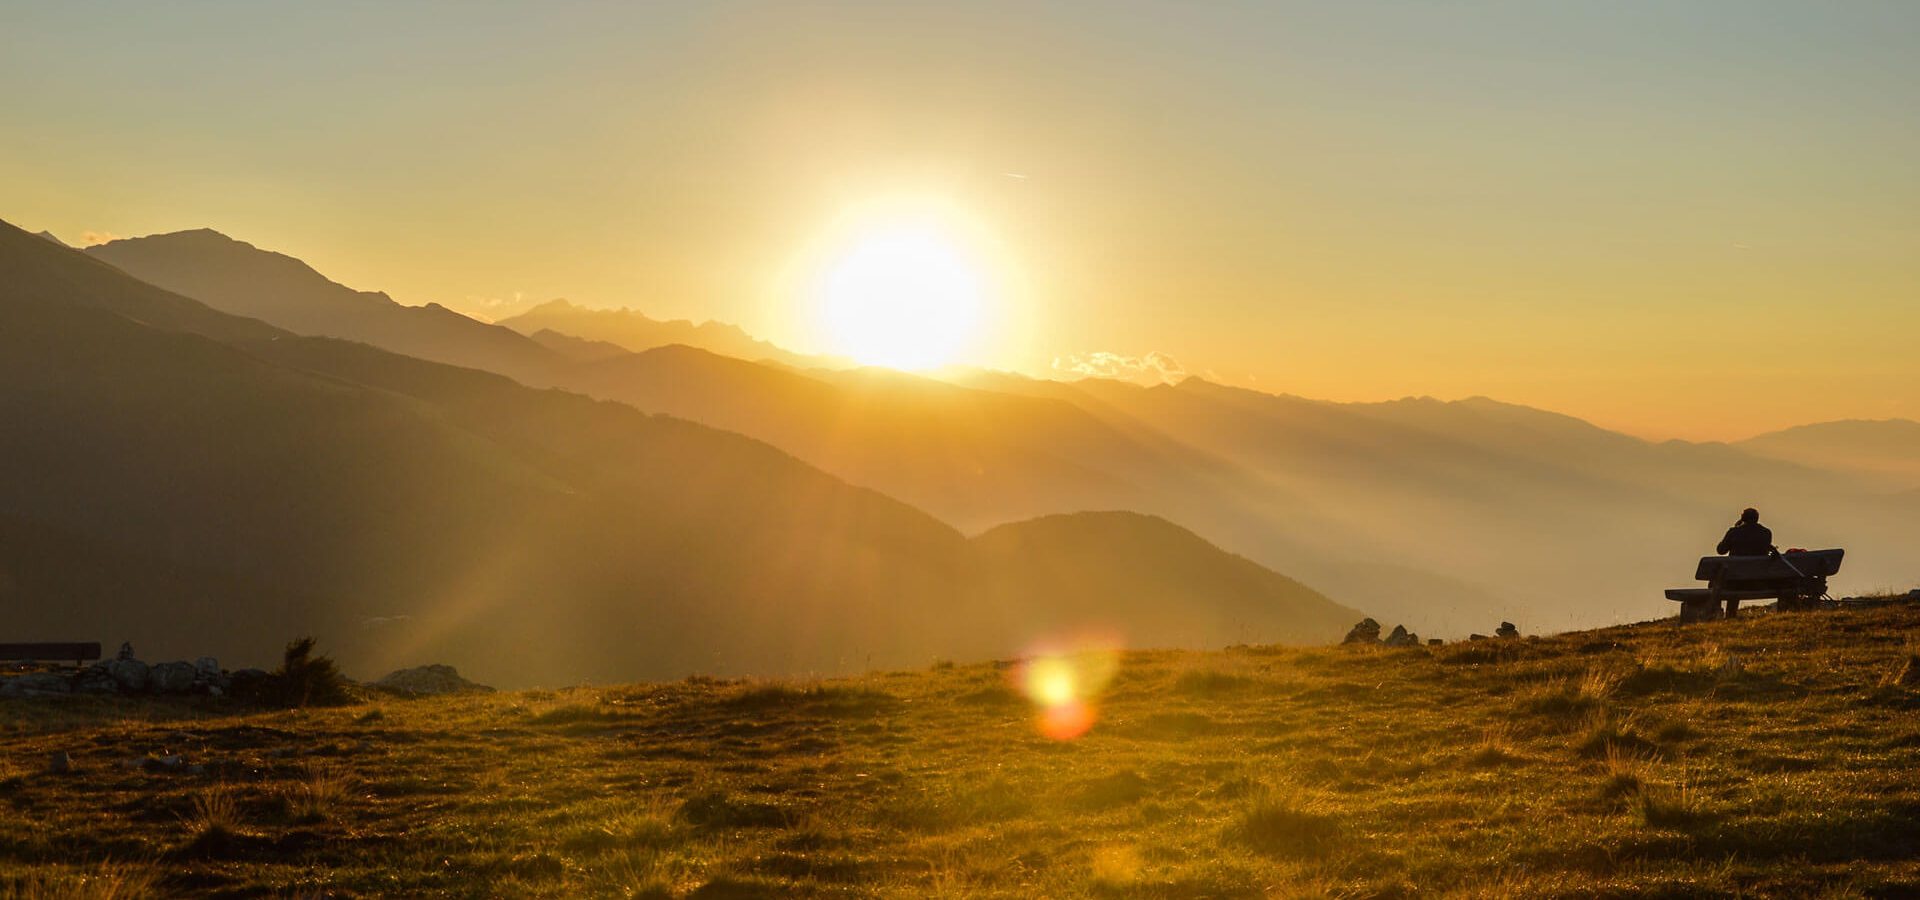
{"x":1679,"y":219}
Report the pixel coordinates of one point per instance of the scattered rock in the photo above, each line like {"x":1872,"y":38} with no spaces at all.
{"x":130,"y":674}
{"x":1367,"y":632}
{"x":434,"y":679}
{"x":1401,"y":637}
{"x":59,"y":763}
{"x":1435,"y":642}
{"x":172,"y":677}
{"x":1476,"y":637}
{"x":1506,"y":630}
{"x":166,"y":763}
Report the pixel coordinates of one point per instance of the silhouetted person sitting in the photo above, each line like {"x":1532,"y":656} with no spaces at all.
{"x":1747,"y":537}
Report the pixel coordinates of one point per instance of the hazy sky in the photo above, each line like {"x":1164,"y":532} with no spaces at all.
{"x":1678,"y":218}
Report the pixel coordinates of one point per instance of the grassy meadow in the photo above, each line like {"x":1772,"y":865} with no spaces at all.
{"x":1774,"y":755}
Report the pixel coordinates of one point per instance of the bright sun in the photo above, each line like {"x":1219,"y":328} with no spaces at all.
{"x":905,"y":296}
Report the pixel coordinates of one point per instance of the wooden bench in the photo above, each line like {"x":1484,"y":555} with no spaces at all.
{"x":76,"y":652}
{"x":1795,"y":578}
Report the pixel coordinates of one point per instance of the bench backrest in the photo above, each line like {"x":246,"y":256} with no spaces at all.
{"x":74,"y":651}
{"x":1812,"y":564}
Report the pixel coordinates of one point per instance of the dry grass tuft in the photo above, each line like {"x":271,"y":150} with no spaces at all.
{"x":1598,"y":684}
{"x":1905,"y":673}
{"x":104,"y":881}
{"x":1282,"y":823}
{"x":317,"y":796}
{"x":1675,"y":803}
{"x":214,"y":812}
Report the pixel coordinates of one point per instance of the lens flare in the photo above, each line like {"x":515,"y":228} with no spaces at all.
{"x":1064,"y":681}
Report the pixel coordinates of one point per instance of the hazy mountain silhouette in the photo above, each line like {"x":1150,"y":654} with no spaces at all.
{"x":203,"y":483}
{"x":1882,"y":449}
{"x":577,"y":349}
{"x":635,"y":331}
{"x":50,"y":236}
{"x":1142,"y":571}
{"x":239,"y":278}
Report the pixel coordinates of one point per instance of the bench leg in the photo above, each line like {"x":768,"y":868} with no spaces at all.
{"x":1701,"y":610}
{"x":1733,"y":608}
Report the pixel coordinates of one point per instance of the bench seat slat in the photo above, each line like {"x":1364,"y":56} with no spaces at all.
{"x":51,"y":651}
{"x":1685,"y":594}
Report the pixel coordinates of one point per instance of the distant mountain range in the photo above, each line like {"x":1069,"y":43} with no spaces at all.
{"x":1887,"y":449}
{"x":1448,"y":516}
{"x":201,"y":482}
{"x":632,"y":330}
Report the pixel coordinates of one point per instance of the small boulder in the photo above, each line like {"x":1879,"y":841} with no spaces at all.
{"x":35,"y":684}
{"x":1435,"y":642}
{"x":165,"y":762}
{"x":1366,"y":632}
{"x":95,"y":679}
{"x":434,"y":679}
{"x":207,"y":666}
{"x":1476,"y":637}
{"x":129,"y":674}
{"x":1506,"y":630}
{"x":1401,"y":637}
{"x":172,"y":677}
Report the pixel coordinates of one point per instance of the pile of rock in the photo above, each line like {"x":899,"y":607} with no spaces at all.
{"x":125,"y":675}
{"x":1368,"y":632}
{"x":434,"y":679}
{"x":1506,"y":630}
{"x":1401,"y":637}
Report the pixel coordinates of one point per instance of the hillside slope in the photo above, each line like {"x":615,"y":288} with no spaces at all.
{"x":239,"y":278}
{"x":1775,"y":755}
{"x":1146,"y":578}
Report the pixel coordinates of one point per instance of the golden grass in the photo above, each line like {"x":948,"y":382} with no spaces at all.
{"x":1775,"y":754}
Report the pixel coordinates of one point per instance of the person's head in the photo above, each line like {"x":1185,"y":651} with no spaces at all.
{"x":1749,"y":516}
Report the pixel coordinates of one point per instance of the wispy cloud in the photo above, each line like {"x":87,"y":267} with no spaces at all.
{"x":90,"y":237}
{"x":1153,"y":368}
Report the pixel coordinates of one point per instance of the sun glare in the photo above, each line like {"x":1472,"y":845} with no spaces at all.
{"x":1065,"y":679}
{"x":905,"y":296}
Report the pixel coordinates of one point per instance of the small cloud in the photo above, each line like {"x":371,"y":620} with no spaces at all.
{"x":1015,"y":176}
{"x":1153,"y":368}
{"x":90,"y":237}
{"x":517,"y":299}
